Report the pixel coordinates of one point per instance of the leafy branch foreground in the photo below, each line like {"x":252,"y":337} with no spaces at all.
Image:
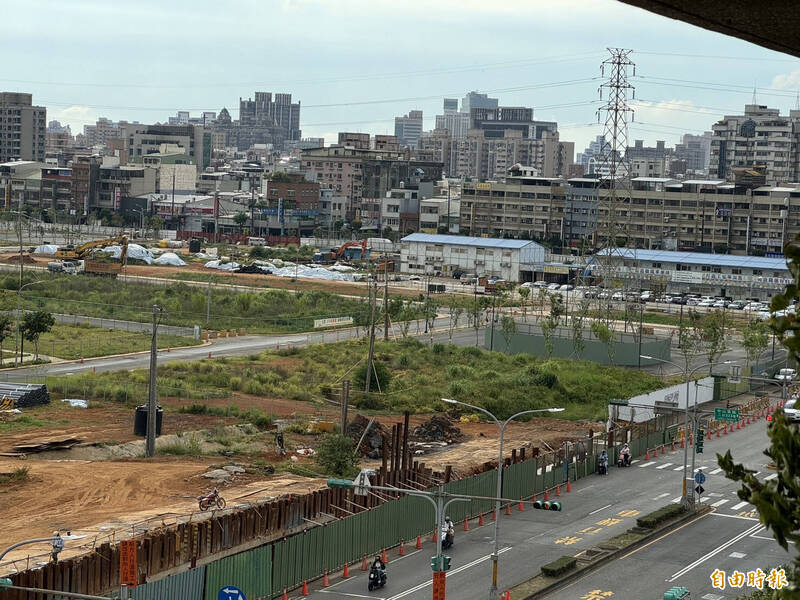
{"x":415,"y":378}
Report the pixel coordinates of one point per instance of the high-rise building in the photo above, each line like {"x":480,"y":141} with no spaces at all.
{"x":408,"y":128}
{"x":759,"y":137}
{"x":476,"y":100}
{"x":22,"y":128}
{"x":640,"y":151}
{"x":593,"y":150}
{"x":265,"y":120}
{"x":696,"y":151}
{"x":102,"y":131}
{"x":450,"y":105}
{"x":57,"y":137}
{"x":495,"y":121}
{"x":457,"y":123}
{"x":141,"y":140}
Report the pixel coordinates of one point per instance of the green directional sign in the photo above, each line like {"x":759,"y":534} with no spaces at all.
{"x":726,"y":414}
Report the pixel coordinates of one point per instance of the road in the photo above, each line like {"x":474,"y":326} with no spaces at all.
{"x":599,"y":508}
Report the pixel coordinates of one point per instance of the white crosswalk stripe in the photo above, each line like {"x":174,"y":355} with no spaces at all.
{"x":739,"y":506}
{"x":664,"y":466}
{"x":661,"y":496}
{"x":715,"y":471}
{"x":676,"y":500}
{"x":770,"y":477}
{"x":647,"y":464}
{"x":720,"y":502}
{"x":678,"y":468}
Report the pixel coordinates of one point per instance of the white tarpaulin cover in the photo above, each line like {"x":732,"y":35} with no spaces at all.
{"x":46,"y":249}
{"x":134,"y":251}
{"x":229,"y":266}
{"x":170,"y":258}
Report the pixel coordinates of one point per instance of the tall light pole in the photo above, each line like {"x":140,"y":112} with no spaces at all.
{"x":688,"y":375}
{"x":493,"y":595}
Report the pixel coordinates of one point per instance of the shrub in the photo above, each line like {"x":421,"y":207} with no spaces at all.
{"x":382,"y":373}
{"x":194,"y":409}
{"x":557,"y":567}
{"x":652,"y":520}
{"x":336,"y":455}
{"x":548,"y":380}
{"x":472,"y":351}
{"x":181,"y":447}
{"x":438,"y":348}
{"x":236,"y":383}
{"x":18,"y":475}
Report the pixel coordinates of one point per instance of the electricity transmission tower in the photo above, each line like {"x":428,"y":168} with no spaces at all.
{"x":613,"y":233}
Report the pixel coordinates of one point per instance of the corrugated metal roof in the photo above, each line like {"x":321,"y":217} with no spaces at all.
{"x":655,"y":179}
{"x":700,"y":258}
{"x":462,"y":240}
{"x":704,"y":181}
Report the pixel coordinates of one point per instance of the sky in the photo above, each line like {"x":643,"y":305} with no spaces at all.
{"x":356,"y":64}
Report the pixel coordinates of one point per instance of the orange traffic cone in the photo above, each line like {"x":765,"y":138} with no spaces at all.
{"x":647,"y":452}
{"x":508,"y":509}
{"x":558,"y":490}
{"x":673,"y":445}
{"x":419,"y":543}
{"x":209,"y":355}
{"x":569,"y":486}
{"x":325,"y":582}
{"x":305,"y":588}
{"x":384,"y":559}
{"x":725,"y":430}
{"x":494,"y":514}
{"x":546,"y":496}
{"x":435,"y":537}
{"x":738,"y":425}
{"x":534,"y":498}
{"x":466,"y":524}
{"x":402,"y":547}
{"x":284,"y":596}
{"x":717,"y":431}
{"x":709,"y":435}
{"x":480,"y":520}
{"x":521,"y":506}
{"x":683,"y":443}
{"x":364,"y":563}
{"x":346,"y":572}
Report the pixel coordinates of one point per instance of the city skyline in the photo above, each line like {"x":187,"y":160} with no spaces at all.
{"x":557,"y":75}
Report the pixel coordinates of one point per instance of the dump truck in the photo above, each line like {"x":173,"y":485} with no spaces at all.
{"x":80,"y":255}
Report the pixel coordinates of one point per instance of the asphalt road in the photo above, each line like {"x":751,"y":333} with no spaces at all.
{"x":598,"y":508}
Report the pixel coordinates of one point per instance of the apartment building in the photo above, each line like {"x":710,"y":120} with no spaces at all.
{"x":664,"y":213}
{"x":175,"y":170}
{"x":101,"y":132}
{"x":117,"y":184}
{"x":293,"y":191}
{"x":761,"y":136}
{"x":85,"y":178}
{"x":22,"y":128}
{"x":140,"y":140}
{"x":408,"y":128}
{"x":56,"y":191}
{"x":20,"y":183}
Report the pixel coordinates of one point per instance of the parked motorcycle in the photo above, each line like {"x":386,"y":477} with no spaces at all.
{"x":377,"y":578}
{"x":211,"y":500}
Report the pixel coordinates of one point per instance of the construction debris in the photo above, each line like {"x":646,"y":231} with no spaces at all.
{"x":35,"y":447}
{"x":437,"y":429}
{"x":373,"y":441}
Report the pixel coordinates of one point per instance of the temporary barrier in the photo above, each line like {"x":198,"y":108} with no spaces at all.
{"x":250,"y":571}
{"x":183,"y":586}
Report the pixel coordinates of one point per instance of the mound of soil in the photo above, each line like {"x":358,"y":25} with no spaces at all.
{"x":437,"y":429}
{"x":373,"y":441}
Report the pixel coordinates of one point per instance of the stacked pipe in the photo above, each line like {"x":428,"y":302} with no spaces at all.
{"x":25,"y":395}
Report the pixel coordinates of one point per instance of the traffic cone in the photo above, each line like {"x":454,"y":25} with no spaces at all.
{"x":81,"y":360}
{"x":480,"y":520}
{"x":558,"y":490}
{"x":209,"y":355}
{"x":546,"y":496}
{"x":709,"y":435}
{"x":284,"y":596}
{"x":305,"y":588}
{"x":673,"y":445}
{"x":725,"y":430}
{"x":717,"y":431}
{"x":435,"y":537}
{"x":508,"y":509}
{"x":466,"y":524}
{"x":683,"y":442}
{"x":569,"y":486}
{"x":402,"y":547}
{"x":94,"y":369}
{"x":738,"y":425}
{"x":419,"y":543}
{"x":534,"y":498}
{"x":384,"y":559}
{"x":494,"y":514}
{"x":521,"y":506}
{"x":325,"y":582}
{"x":364,"y":563}
{"x":647,"y":453}
{"x":346,"y":572}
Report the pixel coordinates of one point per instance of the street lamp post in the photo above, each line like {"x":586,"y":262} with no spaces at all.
{"x":493,"y":595}
{"x":688,"y":375}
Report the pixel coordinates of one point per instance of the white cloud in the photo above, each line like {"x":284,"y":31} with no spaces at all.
{"x":788,"y":81}
{"x":75,"y":116}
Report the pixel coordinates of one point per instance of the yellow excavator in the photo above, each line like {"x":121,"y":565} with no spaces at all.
{"x":93,"y":267}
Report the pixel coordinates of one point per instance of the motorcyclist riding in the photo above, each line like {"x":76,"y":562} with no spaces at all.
{"x":603,"y":462}
{"x":448,"y":533}
{"x":625,"y":455}
{"x":377,"y":574}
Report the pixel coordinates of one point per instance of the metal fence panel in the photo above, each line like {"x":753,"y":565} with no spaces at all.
{"x":249,"y":571}
{"x":183,"y":586}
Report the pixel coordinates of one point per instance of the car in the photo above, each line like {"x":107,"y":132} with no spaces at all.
{"x":786,"y":375}
{"x":603,"y":295}
{"x":736,"y":305}
{"x":566,"y":287}
{"x":553,"y":286}
{"x":646,"y":296}
{"x":692,"y":302}
{"x":708,"y":303}
{"x":527,"y":285}
{"x":790,"y":411}
{"x":617,"y":296}
{"x":720,"y":304}
{"x":415,"y":278}
{"x":540,"y":284}
{"x":678,"y":300}
{"x":590,"y":294}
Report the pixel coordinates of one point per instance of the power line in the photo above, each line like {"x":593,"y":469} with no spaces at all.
{"x":685,"y":55}
{"x":746,"y":88}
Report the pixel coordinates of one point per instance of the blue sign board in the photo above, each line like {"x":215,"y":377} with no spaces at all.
{"x":231,"y":592}
{"x":699,"y":478}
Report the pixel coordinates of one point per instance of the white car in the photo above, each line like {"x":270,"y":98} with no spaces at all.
{"x":786,"y":375}
{"x":720,"y":304}
{"x":566,"y":287}
{"x":692,"y":302}
{"x":527,"y":285}
{"x":618,"y":296}
{"x":709,"y":302}
{"x":553,"y":286}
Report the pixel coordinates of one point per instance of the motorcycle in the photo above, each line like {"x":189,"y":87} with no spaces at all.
{"x":211,"y":500}
{"x":624,"y":460}
{"x":377,"y":578}
{"x":602,"y":467}
{"x":448,"y":537}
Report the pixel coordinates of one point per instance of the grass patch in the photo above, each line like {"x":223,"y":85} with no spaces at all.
{"x":560,"y":566}
{"x":21,"y":423}
{"x":420,"y":377}
{"x":655,"y":518}
{"x":18,"y":475}
{"x":188,"y":446}
{"x":255,"y":417}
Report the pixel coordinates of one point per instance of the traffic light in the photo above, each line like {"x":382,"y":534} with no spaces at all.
{"x":538,"y":504}
{"x":344,"y":484}
{"x":435,"y":567}
{"x":446,"y":560}
{"x":698,"y":441}
{"x":5,"y":582}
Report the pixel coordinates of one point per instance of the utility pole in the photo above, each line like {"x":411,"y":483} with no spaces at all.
{"x":491,"y":337}
{"x":373,"y":298}
{"x":345,"y":400}
{"x":172,"y":210}
{"x":152,"y":403}
{"x":386,"y":300}
{"x":208,"y":303}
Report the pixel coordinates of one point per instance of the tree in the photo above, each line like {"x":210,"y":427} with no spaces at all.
{"x":578,"y":319}
{"x":712,"y":328}
{"x":5,"y":331}
{"x":35,"y":324}
{"x":240,"y":218}
{"x":524,"y":294}
{"x":604,"y":334}
{"x":154,"y":224}
{"x":755,"y":339}
{"x":455,"y":315}
{"x":509,"y":328}
{"x":336,"y":455}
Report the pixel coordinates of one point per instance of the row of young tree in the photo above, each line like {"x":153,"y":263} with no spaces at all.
{"x":32,"y":326}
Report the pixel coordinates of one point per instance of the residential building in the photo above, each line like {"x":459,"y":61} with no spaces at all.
{"x":640,"y":151}
{"x":22,"y":128}
{"x":408,"y":128}
{"x":265,"y":120}
{"x":596,"y":149}
{"x":398,"y":210}
{"x":57,"y":138}
{"x":293,"y":192}
{"x":20,"y":182}
{"x":450,"y":105}
{"x":387,"y":143}
{"x":101,"y":132}
{"x":649,"y":167}
{"x":455,"y":122}
{"x":332,"y":208}
{"x":85,"y":179}
{"x":354,"y":140}
{"x":176,"y":171}
{"x":140,"y":140}
{"x":117,"y":184}
{"x":56,"y":192}
{"x":512,"y":260}
{"x":761,"y":136}
{"x":494,"y":122}
{"x":433,"y":214}
{"x":696,"y":151}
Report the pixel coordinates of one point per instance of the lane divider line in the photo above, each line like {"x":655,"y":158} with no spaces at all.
{"x":716,"y":551}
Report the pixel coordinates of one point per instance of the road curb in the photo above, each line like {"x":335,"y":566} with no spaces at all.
{"x":604,"y":559}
